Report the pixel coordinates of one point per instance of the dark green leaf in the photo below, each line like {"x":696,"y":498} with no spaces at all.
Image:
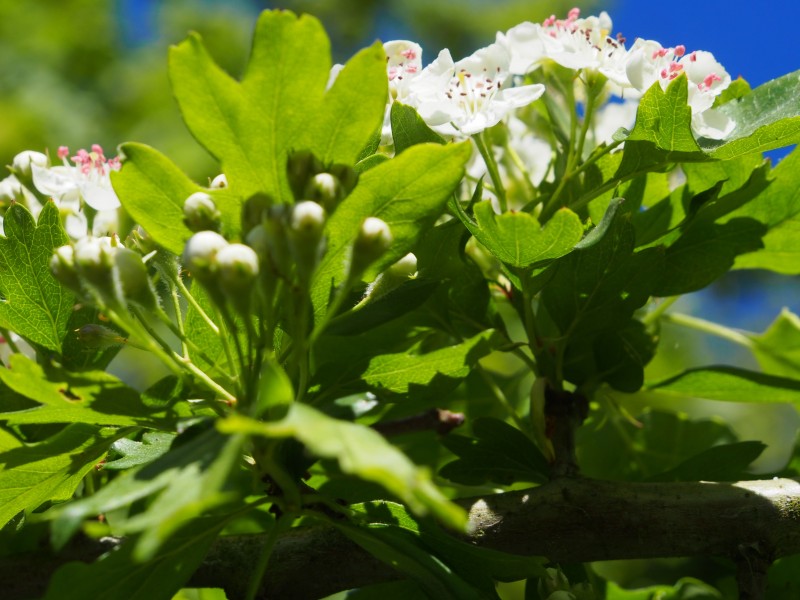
{"x":360,"y":451}
{"x":32,"y":302}
{"x":498,"y":453}
{"x":720,"y":463}
{"x":120,"y":574}
{"x":731,"y":385}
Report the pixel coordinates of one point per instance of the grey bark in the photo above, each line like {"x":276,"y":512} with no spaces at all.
{"x":566,"y":520}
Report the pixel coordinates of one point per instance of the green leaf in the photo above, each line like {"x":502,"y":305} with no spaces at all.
{"x":517,"y":238}
{"x":720,"y":463}
{"x":731,"y":385}
{"x":498,"y":453}
{"x":408,"y":192}
{"x":92,"y":397}
{"x":275,"y":390}
{"x":664,"y":118}
{"x":126,"y":454}
{"x":778,"y":207}
{"x":33,"y":474}
{"x":599,"y":285}
{"x":397,"y":373}
{"x":32,"y":302}
{"x":766,"y":118}
{"x":409,"y":129}
{"x":353,"y":109}
{"x":185,"y":482}
{"x":152,"y":189}
{"x":251,"y":126}
{"x":360,"y":451}
{"x":120,"y":574}
{"x":778,"y":348}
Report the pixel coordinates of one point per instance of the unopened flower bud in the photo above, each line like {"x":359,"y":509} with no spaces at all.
{"x":305,"y":233}
{"x":22,"y":162}
{"x":200,"y":213}
{"x":237,"y":266}
{"x":325,"y":189}
{"x":200,"y":253}
{"x":346,"y":176}
{"x":300,"y":168}
{"x":141,"y":240}
{"x":97,"y":336}
{"x":11,"y":190}
{"x":133,"y":279}
{"x":219,"y":182}
{"x":94,"y":260}
{"x":373,"y":240}
{"x":62,"y":267}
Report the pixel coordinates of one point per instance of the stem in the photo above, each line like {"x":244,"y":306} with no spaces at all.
{"x":659,"y":310}
{"x":7,"y":337}
{"x":260,"y":567}
{"x":710,"y":328}
{"x":190,"y":299}
{"x":491,"y":167}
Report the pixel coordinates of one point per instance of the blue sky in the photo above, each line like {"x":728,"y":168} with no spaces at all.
{"x":757,"y":40}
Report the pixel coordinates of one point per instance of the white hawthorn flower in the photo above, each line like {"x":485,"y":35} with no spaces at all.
{"x":403,"y":64}
{"x":648,"y":62}
{"x":573,"y":42}
{"x":88,"y":178}
{"x":464,"y":98}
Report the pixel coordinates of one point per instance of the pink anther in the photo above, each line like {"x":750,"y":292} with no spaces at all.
{"x":63,"y":152}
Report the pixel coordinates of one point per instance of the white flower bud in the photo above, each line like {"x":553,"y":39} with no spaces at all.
{"x":94,"y":259}
{"x":22,"y":162}
{"x":200,"y":213}
{"x":237,"y":266}
{"x":308,"y":218}
{"x":326,"y":189}
{"x":219,"y":182}
{"x":11,"y":190}
{"x":200,"y":252}
{"x":404,"y":268}
{"x":62,"y":267}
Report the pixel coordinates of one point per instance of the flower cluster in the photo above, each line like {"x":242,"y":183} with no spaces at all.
{"x":463,"y":98}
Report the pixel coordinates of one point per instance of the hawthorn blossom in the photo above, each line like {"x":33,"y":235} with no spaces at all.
{"x":649,"y":62}
{"x":576,"y":43}
{"x":403,"y":64}
{"x":464,"y":98}
{"x":88,"y":178}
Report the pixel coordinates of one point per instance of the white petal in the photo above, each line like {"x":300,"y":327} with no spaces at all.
{"x":713,"y":124}
{"x":99,"y":195}
{"x":54,"y":181}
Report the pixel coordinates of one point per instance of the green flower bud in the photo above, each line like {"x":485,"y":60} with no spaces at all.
{"x":142,"y":241}
{"x":300,"y":168}
{"x":200,"y":213}
{"x":134,"y":282}
{"x":21,"y":165}
{"x":97,"y":336}
{"x":62,"y":266}
{"x":200,"y":253}
{"x":373,"y":240}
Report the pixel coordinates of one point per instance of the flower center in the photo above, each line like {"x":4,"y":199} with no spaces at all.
{"x":471,"y":91}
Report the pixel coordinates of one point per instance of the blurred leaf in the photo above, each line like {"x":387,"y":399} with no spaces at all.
{"x":184,"y":483}
{"x":153,"y":190}
{"x":407,"y":192}
{"x":729,"y":384}
{"x":517,"y":238}
{"x":395,"y":590}
{"x":92,"y":397}
{"x":720,"y":463}
{"x":766,"y":118}
{"x":498,"y":453}
{"x":34,"y":304}
{"x":397,"y":373}
{"x":409,"y":129}
{"x":784,"y":583}
{"x":126,"y":453}
{"x":685,"y":589}
{"x":122,"y":574}
{"x":33,"y":474}
{"x":360,"y":451}
{"x":352,"y":110}
{"x":778,"y":348}
{"x":200,"y":594}
{"x":275,"y":390}
{"x":251,"y":126}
